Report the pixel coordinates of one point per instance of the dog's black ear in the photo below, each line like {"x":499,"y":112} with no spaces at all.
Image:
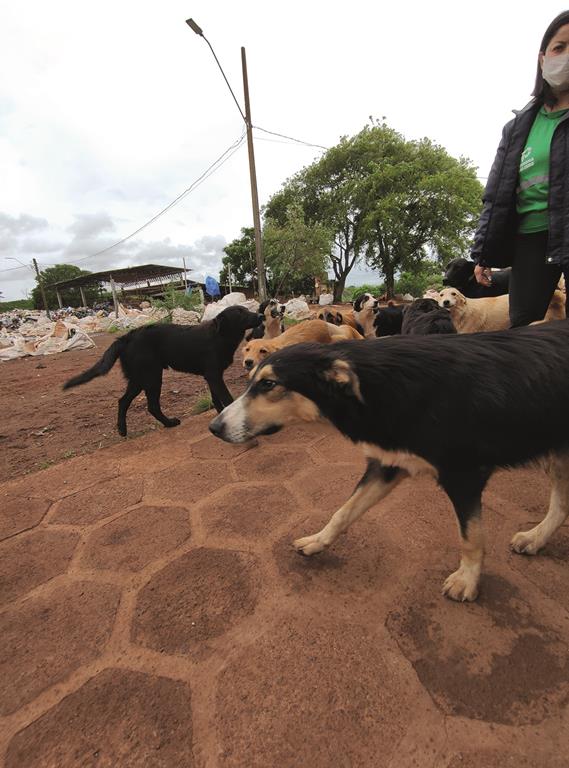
{"x":341,"y":374}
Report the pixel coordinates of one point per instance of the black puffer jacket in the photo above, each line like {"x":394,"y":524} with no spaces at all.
{"x":495,"y":236}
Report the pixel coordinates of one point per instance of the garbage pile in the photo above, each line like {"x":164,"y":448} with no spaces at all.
{"x":42,"y":339}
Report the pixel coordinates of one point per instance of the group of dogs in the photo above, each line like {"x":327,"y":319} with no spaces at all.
{"x":415,"y":386}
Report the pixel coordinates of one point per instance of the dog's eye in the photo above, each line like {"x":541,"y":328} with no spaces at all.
{"x":265,"y":385}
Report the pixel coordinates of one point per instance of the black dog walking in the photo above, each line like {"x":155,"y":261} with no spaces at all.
{"x":205,"y":350}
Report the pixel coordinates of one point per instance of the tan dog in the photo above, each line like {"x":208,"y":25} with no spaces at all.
{"x":273,"y":319}
{"x":491,"y":314}
{"x":309,"y":330}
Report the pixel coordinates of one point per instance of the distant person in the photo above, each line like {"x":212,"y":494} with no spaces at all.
{"x":525,"y":218}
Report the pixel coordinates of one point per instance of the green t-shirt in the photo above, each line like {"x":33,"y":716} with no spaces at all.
{"x":533,"y":186}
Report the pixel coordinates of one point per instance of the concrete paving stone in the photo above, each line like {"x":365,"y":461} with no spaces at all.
{"x":497,"y":660}
{"x":549,"y":569}
{"x":358,"y":562}
{"x":524,"y":489}
{"x":327,"y":487}
{"x":211,"y":447}
{"x":45,"y":638}
{"x":297,"y":434}
{"x":194,"y":599}
{"x":249,"y":510}
{"x":99,"y":501}
{"x":318,"y":693}
{"x":137,"y":538}
{"x":23,"y":561}
{"x":118,"y":719}
{"x":335,"y":447}
{"x":495,"y":759}
{"x":18,"y":513}
{"x":63,"y":479}
{"x":272,"y":462}
{"x":188,"y":481}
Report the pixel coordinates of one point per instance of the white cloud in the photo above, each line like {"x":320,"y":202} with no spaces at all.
{"x":113,"y":110}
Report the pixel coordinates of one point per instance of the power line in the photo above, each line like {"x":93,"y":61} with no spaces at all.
{"x":290,"y":138}
{"x":223,"y":158}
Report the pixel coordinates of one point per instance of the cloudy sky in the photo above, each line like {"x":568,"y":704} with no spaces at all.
{"x":109,"y":111}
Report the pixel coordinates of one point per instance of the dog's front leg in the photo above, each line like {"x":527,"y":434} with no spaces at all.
{"x":530,"y":542}
{"x":220,"y":395}
{"x":377,"y":481}
{"x":465,"y":491}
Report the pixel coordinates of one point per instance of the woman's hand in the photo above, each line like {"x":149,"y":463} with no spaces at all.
{"x":483,"y":275}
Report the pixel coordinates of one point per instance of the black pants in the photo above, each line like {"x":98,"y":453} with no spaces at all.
{"x":533,"y":280}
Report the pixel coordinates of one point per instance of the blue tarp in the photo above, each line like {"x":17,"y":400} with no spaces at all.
{"x":212,"y":287}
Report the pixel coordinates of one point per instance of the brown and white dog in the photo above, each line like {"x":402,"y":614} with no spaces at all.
{"x":256,"y":350}
{"x":489,"y":314}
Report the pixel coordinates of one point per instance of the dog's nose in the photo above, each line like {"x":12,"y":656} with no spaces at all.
{"x":446,"y":303}
{"x":216,"y":427}
{"x":248,"y":364}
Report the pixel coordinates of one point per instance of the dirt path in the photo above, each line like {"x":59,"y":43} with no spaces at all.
{"x":153,"y":613}
{"x":42,"y":424}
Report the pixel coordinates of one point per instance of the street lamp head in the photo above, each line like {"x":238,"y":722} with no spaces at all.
{"x":196,"y":28}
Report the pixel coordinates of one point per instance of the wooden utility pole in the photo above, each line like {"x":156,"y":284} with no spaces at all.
{"x":261,"y":279}
{"x":42,"y":288}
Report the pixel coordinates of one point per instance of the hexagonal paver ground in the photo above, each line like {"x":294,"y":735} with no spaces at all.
{"x":194,"y":599}
{"x":19,"y":513}
{"x":118,"y":718}
{"x":48,"y":636}
{"x":99,"y":501}
{"x":318,"y":693}
{"x":177,"y":579}
{"x":272,"y":462}
{"x":248,"y":510}
{"x":23,"y":564}
{"x":498,"y":660}
{"x":124,"y":543}
{"x":188,"y":481}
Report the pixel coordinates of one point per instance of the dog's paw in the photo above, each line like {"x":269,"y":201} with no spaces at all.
{"x":121,"y":430}
{"x":525,"y":543}
{"x":309,"y":545}
{"x":461,"y":585}
{"x":172,"y":423}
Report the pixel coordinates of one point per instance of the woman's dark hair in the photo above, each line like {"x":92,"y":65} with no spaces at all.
{"x":542,"y":89}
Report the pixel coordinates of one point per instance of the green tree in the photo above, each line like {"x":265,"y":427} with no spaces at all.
{"x":427,"y":274}
{"x":71,"y":297}
{"x":295,"y":252}
{"x":240,"y":259}
{"x":415,"y":200}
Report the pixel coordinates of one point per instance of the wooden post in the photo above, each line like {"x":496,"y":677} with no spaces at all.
{"x":254,"y":194}
{"x":42,"y":288}
{"x":114,"y":292}
{"x":59,"y":299}
{"x":83,"y":299}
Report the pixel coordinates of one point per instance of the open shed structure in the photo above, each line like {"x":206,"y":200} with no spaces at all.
{"x":147,"y":278}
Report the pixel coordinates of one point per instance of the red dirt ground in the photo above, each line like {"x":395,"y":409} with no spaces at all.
{"x":153,"y":613}
{"x":42,"y":424}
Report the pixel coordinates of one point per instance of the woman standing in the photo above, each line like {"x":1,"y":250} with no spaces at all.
{"x":525,"y":218}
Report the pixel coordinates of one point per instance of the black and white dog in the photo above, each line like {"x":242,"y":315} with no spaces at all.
{"x":206,"y":349}
{"x":455,"y":406}
{"x":459,"y":274}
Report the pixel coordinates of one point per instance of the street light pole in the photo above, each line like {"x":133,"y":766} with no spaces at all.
{"x":262,"y":282}
{"x":261,"y":277}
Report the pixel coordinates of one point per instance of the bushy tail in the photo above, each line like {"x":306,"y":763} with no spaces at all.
{"x":100,"y":368}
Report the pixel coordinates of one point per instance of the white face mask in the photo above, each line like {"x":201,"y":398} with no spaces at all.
{"x":555,"y":70}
